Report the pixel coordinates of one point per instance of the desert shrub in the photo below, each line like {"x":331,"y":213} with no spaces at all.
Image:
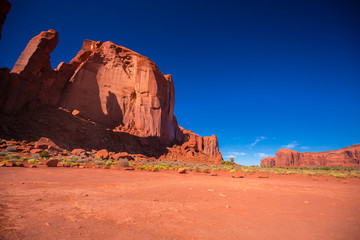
{"x":228,"y":162}
{"x":206,"y":170}
{"x":123,"y":162}
{"x":99,"y":163}
{"x":309,"y":173}
{"x":355,"y":175}
{"x":14,"y":157}
{"x":3,"y":153}
{"x":232,"y":170}
{"x":141,"y":167}
{"x":82,"y":160}
{"x":33,"y":161}
{"x":44,"y":154}
{"x":73,"y":159}
{"x":23,"y":158}
{"x":19,"y":164}
{"x":75,"y":164}
{"x":108,"y":163}
{"x":338,"y":175}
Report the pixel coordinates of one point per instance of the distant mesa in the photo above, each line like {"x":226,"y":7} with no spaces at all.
{"x":107,"y":97}
{"x":349,"y":156}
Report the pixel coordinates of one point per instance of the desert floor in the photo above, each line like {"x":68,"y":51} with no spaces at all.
{"x":67,"y":203}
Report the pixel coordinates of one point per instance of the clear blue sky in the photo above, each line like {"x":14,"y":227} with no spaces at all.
{"x":260,"y":74}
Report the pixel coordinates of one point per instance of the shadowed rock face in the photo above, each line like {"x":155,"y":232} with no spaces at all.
{"x":105,"y":83}
{"x":349,"y":156}
{"x":5,"y":7}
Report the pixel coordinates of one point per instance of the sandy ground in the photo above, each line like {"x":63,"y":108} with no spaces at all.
{"x":66,"y":203}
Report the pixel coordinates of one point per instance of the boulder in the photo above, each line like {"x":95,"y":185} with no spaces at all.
{"x":10,"y":164}
{"x":52,"y":163}
{"x":122,"y":155}
{"x":11,"y":149}
{"x":78,"y":151}
{"x":36,"y":150}
{"x":103,"y":153}
{"x":182,"y":170}
{"x":46,"y":144}
{"x":349,"y":157}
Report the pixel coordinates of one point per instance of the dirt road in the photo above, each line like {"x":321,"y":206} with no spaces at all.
{"x":66,"y":203}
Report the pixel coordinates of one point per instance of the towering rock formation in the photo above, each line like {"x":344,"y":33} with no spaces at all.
{"x":5,"y":7}
{"x":106,"y":84}
{"x":122,"y":89}
{"x":349,"y":156}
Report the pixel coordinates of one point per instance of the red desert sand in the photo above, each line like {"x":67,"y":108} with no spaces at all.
{"x":66,"y":203}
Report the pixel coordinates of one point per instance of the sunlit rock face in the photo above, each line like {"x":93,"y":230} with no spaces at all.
{"x":122,"y":89}
{"x":106,"y":84}
{"x":349,"y":156}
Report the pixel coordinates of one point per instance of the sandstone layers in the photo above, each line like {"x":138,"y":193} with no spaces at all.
{"x":4,"y":10}
{"x":349,"y":156}
{"x":106,"y":85}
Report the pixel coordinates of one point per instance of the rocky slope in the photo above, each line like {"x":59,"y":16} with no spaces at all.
{"x":349,"y":156}
{"x":115,"y":90}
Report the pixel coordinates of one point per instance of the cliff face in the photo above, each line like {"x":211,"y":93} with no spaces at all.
{"x":349,"y":156}
{"x":106,"y":84}
{"x":121,"y":89}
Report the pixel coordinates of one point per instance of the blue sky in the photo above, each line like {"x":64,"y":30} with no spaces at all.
{"x":261,"y":74}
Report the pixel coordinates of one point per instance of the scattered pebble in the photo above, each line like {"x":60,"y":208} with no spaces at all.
{"x":227,"y":206}
{"x":222,"y":195}
{"x":210,"y":190}
{"x":306,"y":202}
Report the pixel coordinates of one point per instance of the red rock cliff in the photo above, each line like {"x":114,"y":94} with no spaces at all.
{"x":107,"y":84}
{"x":349,"y":156}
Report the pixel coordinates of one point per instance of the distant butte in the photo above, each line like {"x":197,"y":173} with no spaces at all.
{"x":349,"y":156}
{"x":107,"y":97}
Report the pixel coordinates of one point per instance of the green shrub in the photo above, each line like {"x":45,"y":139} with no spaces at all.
{"x":108,"y":163}
{"x":75,"y":164}
{"x":44,"y":154}
{"x":33,"y":161}
{"x":232,"y":170}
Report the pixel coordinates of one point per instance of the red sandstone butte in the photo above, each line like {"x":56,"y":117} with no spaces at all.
{"x":108,"y":85}
{"x":349,"y":156}
{"x":5,"y":7}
